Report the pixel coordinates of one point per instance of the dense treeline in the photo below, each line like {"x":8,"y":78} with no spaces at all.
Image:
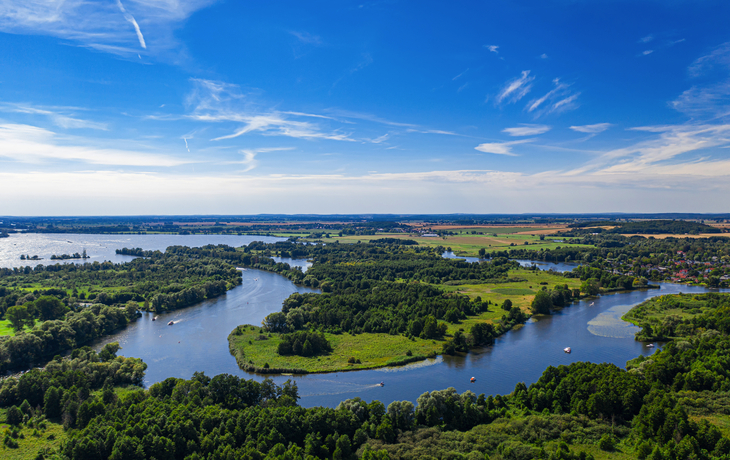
{"x":55,"y":336}
{"x":676,"y":227}
{"x":303,"y":343}
{"x":383,"y":288}
{"x":167,"y":281}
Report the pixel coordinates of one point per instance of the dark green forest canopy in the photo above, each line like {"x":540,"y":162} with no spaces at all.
{"x":377,"y":287}
{"x":679,"y":227}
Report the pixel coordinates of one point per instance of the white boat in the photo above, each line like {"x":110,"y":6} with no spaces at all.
{"x":651,"y":345}
{"x":567,"y":349}
{"x":592,"y":304}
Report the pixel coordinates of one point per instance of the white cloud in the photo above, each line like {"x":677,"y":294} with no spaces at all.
{"x":543,"y":56}
{"x":527,"y":130}
{"x":646,"y":39}
{"x":219,"y":102}
{"x":132,"y":21}
{"x":30,"y":144}
{"x":56,"y":115}
{"x":517,"y":88}
{"x":501,"y":148}
{"x":567,"y":103}
{"x":460,"y":75}
{"x":647,"y":52}
{"x":307,"y":38}
{"x":492,"y":48}
{"x":645,"y":156}
{"x":561,"y":94}
{"x":592,"y":129}
{"x":710,"y":99}
{"x":99,"y":25}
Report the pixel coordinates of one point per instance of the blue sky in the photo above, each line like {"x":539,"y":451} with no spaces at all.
{"x":237,"y":107}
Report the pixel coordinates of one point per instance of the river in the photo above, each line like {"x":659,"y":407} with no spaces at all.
{"x":198,"y":340}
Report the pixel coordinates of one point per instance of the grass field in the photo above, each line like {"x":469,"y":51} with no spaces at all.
{"x":32,"y":440}
{"x":653,"y":311}
{"x":373,"y":350}
{"x":520,"y":293}
{"x":466,"y":243}
{"x":7,"y":330}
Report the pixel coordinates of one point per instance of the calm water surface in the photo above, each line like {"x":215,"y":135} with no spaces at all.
{"x":103,"y":247}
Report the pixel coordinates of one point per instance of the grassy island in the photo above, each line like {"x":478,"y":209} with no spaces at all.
{"x":256,"y":350}
{"x":670,"y":316}
{"x":390,"y":302}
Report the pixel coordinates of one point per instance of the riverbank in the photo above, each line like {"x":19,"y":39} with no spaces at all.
{"x":669,"y":316}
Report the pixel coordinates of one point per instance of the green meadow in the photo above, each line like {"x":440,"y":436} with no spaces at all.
{"x":349,"y":352}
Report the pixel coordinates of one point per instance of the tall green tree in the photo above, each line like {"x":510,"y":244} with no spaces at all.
{"x":542,"y":303}
{"x":19,"y":317}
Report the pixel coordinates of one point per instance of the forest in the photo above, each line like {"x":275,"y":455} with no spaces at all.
{"x":60,"y":307}
{"x":672,"y":227}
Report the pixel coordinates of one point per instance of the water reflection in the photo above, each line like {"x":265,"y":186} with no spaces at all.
{"x":103,"y":247}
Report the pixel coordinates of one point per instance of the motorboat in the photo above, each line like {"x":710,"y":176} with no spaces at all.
{"x":154,"y":318}
{"x":651,"y":345}
{"x":171,"y":323}
{"x":473,"y":379}
{"x":567,"y":349}
{"x":382,"y":384}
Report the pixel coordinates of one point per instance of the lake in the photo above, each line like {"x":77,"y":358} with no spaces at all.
{"x":103,"y":247}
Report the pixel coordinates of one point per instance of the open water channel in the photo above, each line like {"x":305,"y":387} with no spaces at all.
{"x":198,"y":339}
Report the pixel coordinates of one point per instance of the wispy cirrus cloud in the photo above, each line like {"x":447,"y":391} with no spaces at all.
{"x":133,"y":21}
{"x":492,"y":48}
{"x":31,"y":144}
{"x":592,"y":129}
{"x":527,"y":130}
{"x":220,"y":102}
{"x":104,"y":26}
{"x":646,"y":39}
{"x":501,"y":148}
{"x":516,"y":89}
{"x":559,"y":99}
{"x":710,"y":98}
{"x":665,"y":150}
{"x":59,"y":116}
{"x":306,"y":37}
{"x":249,"y":157}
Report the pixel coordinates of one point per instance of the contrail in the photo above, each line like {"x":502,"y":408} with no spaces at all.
{"x":186,"y":144}
{"x":130,"y":18}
